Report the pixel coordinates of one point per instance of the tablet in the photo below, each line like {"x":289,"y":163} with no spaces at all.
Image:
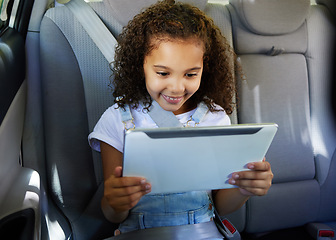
{"x":190,"y":159}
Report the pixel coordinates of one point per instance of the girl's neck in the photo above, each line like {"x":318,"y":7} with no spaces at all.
{"x":188,"y":106}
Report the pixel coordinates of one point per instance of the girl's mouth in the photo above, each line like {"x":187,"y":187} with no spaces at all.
{"x":172,"y":100}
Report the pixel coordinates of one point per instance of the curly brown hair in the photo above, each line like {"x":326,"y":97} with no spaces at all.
{"x":175,"y":21}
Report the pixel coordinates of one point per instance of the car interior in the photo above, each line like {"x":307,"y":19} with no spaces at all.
{"x":54,"y":86}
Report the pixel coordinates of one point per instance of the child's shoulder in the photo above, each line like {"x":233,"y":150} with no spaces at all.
{"x":218,"y":107}
{"x":112,"y":110}
{"x":217,"y":117}
{"x":139,"y":115}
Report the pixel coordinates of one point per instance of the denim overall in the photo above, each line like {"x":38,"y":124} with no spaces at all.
{"x":171,"y":209}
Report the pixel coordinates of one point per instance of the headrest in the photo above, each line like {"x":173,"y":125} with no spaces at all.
{"x":272,"y":17}
{"x":125,"y":10}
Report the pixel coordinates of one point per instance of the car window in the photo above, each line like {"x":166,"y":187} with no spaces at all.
{"x":14,"y":19}
{"x":5,"y":9}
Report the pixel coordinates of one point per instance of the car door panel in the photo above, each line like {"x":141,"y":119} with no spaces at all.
{"x":19,"y":186}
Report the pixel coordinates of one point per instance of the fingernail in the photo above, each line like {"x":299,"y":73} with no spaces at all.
{"x":251,"y":166}
{"x":231,"y":181}
{"x":143,"y":181}
{"x":148,"y":188}
{"x":236,"y":176}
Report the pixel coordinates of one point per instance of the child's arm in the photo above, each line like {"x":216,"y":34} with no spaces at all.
{"x":251,"y":183}
{"x":120,"y":193}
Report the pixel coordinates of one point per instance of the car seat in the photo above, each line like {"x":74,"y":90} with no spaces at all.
{"x":62,"y":111}
{"x":285,"y":48}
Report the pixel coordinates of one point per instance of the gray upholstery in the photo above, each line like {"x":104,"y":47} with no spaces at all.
{"x":319,"y":59}
{"x":266,"y":17}
{"x":286,"y":67}
{"x":73,"y":181}
{"x":221,"y":16}
{"x":125,"y":10}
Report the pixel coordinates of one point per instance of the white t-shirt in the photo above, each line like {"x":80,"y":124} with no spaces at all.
{"x":110,"y":129}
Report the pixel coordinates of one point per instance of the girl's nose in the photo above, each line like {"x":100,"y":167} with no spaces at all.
{"x":177,"y":85}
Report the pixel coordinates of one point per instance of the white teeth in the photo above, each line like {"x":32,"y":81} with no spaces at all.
{"x":172,"y":98}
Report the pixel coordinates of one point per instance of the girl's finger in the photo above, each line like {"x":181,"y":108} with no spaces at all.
{"x":126,"y":202}
{"x":129,"y":181}
{"x":261,"y":184}
{"x":257,"y":175}
{"x":259,"y":166}
{"x":253,"y":191}
{"x":118,"y":182}
{"x":118,"y":171}
{"x":127,"y":191}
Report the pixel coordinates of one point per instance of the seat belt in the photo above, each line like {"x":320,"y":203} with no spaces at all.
{"x":164,"y":118}
{"x":94,"y":26}
{"x":161,"y":117}
{"x":106,"y":42}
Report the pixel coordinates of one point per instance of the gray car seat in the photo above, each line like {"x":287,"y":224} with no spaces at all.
{"x":58,"y":120}
{"x":286,"y":48}
{"x":73,"y":186}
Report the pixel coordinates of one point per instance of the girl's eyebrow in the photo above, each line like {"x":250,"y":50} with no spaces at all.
{"x":165,"y":67}
{"x":161,"y":66}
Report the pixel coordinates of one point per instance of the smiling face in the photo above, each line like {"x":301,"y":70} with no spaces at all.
{"x":173,"y":71}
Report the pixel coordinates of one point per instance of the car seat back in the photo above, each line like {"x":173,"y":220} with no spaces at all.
{"x":75,"y":75}
{"x":67,"y":54}
{"x":286,"y":68}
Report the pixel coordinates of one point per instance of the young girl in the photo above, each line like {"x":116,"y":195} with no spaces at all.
{"x":174,"y":55}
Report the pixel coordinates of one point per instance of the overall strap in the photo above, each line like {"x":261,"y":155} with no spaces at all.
{"x":198,"y":116}
{"x":126,"y":117}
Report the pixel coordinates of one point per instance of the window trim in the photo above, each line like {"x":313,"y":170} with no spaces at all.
{"x":13,"y":13}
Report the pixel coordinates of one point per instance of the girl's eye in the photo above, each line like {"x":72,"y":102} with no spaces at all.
{"x":191,"y":75}
{"x":162,"y":74}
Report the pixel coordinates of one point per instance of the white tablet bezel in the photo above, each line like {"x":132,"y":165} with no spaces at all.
{"x":189,"y":159}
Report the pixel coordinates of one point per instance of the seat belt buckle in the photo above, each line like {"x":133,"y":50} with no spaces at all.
{"x":227,"y":229}
{"x":320,"y":231}
{"x":329,"y":234}
{"x":230,"y":232}
{"x":229,"y":226}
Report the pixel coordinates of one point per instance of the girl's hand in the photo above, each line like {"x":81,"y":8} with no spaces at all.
{"x":255,"y":182}
{"x":123,"y":193}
